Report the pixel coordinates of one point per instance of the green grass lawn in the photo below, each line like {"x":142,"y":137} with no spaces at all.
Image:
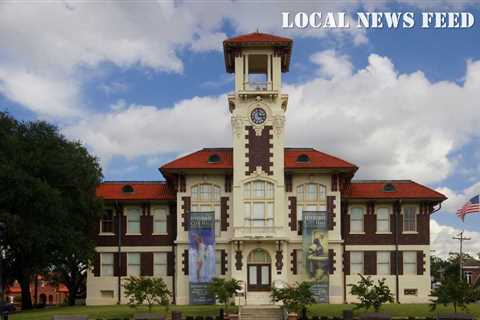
{"x":123,"y":311}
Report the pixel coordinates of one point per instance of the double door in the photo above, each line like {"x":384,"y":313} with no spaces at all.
{"x":259,"y":277}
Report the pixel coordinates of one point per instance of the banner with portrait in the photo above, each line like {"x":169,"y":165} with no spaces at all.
{"x":315,"y":251}
{"x":201,"y":256}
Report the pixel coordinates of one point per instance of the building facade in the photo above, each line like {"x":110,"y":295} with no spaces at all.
{"x":261,"y":195}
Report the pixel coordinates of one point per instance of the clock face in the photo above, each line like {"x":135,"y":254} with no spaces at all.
{"x":258,"y":116}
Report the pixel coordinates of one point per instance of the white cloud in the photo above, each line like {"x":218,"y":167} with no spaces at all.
{"x":457,"y":199}
{"x":442,"y":243}
{"x":331,"y":64}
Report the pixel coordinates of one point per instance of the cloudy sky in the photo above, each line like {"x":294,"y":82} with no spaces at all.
{"x":141,"y":83}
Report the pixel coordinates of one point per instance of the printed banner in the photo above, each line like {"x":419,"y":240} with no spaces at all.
{"x":201,"y":256}
{"x":315,"y":251}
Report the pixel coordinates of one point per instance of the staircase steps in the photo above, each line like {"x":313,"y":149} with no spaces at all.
{"x":268,"y":312}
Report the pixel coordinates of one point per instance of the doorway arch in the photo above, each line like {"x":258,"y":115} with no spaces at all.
{"x":259,"y":270}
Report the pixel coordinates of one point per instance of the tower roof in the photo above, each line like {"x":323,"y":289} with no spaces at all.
{"x":282,"y":46}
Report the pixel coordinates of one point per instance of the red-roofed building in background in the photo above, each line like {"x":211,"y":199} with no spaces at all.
{"x":43,"y":292}
{"x":278,"y":215}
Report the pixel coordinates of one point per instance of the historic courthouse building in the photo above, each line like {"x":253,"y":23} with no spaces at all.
{"x":261,"y":212}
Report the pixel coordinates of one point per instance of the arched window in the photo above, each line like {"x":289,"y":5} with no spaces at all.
{"x":258,"y":197}
{"x":259,"y":256}
{"x":311,"y":197}
{"x":206,"y":198}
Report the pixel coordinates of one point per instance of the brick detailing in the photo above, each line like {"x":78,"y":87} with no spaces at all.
{"x":370,"y":261}
{"x":96,"y":265}
{"x":170,"y":263}
{"x":146,"y":263}
{"x":288,"y":182}
{"x":331,"y":261}
{"x":420,"y":262}
{"x":223,"y":263}
{"x":238,"y":260}
{"x":228,"y":183}
{"x":331,"y":212}
{"x":185,"y":262}
{"x":186,"y":213}
{"x":334,"y":182}
{"x":258,"y":150}
{"x":279,"y":261}
{"x":394,"y":262}
{"x":182,"y":183}
{"x":346,"y":262}
{"x":224,"y":213}
{"x":292,"y":207}
{"x":294,"y":261}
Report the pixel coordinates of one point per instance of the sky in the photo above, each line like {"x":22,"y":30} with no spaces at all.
{"x":141,"y":83}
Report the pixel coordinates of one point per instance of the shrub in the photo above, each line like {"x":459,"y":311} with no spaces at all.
{"x":223,"y":289}
{"x":295,"y":297}
{"x":455,"y":292}
{"x":371,"y":294}
{"x":140,"y":290}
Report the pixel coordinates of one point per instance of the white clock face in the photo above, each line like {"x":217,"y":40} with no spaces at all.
{"x":258,"y":116}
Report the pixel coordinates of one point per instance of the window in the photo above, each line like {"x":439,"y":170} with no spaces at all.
{"x":133,"y":264}
{"x":356,"y":262}
{"x":383,"y":220}
{"x":127,"y":188}
{"x":133,"y":220}
{"x":383,"y":262}
{"x":214,"y":158}
{"x":206,"y":198}
{"x":218,"y":262}
{"x":409,"y":262}
{"x":258,"y":196}
{"x":356,"y":219}
{"x":300,"y":265}
{"x":311,"y":197}
{"x":468,"y":276}
{"x":409,"y":219}
{"x":160,"y":264}
{"x":106,"y":225}
{"x":410,"y":292}
{"x":106,"y":267}
{"x":303,"y":158}
{"x":160,"y":220}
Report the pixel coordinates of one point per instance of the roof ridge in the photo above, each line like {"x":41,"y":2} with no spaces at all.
{"x":327,"y":154}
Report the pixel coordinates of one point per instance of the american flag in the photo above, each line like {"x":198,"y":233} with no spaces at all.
{"x":472,"y":206}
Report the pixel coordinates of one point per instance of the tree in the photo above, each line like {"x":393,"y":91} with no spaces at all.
{"x":455,"y":292}
{"x":47,"y":199}
{"x":223,"y":290}
{"x":371,"y":294}
{"x":294,"y":297}
{"x":140,"y":290}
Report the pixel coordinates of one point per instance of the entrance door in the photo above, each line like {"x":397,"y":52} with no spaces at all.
{"x":259,"y":271}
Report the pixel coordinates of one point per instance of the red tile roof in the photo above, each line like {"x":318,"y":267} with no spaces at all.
{"x":199,"y":160}
{"x":152,"y":190}
{"x":404,"y":189}
{"x":258,"y":37}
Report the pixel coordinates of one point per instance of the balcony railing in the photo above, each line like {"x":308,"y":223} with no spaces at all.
{"x":258,"y":86}
{"x":257,"y":228}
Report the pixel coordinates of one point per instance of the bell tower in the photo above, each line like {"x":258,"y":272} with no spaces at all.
{"x":258,"y":116}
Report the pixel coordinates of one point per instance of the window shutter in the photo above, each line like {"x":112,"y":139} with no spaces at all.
{"x":370,"y":262}
{"x":96,"y":265}
{"x":288,"y":182}
{"x":146,"y":263}
{"x":293,"y":212}
{"x":294,"y":261}
{"x":186,"y":213}
{"x":224,"y":213}
{"x":146,"y":225}
{"x":228,"y":183}
{"x":346,"y":262}
{"x":185,"y":262}
{"x":331,"y":261}
{"x":420,"y":262}
{"x":331,"y":212}
{"x":170,"y":264}
{"x":334,"y":182}
{"x":123,"y":267}
{"x":116,"y":265}
{"x":393,"y":262}
{"x":300,"y":228}
{"x":223,"y":258}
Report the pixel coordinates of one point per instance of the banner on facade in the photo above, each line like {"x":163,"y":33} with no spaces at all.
{"x":201,"y":256}
{"x":315,"y":251}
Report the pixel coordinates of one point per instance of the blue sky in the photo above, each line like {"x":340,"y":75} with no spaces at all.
{"x":142,"y":83}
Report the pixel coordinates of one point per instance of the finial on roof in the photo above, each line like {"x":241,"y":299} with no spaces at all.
{"x":258,"y":30}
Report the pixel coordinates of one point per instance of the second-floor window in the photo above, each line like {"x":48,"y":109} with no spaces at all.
{"x":310,"y":197}
{"x":160,"y":220}
{"x":356,"y":219}
{"x":106,"y":224}
{"x":106,"y":267}
{"x":258,"y":197}
{"x":383,"y":262}
{"x":160,"y":264}
{"x":409,"y":262}
{"x":133,"y":264}
{"x":409,"y":219}
{"x":300,"y":266}
{"x":383,"y":219}
{"x":356,"y":262}
{"x":206,"y":198}
{"x":133,"y":220}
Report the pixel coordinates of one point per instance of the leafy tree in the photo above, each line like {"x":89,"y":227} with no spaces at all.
{"x":140,"y":290}
{"x":47,"y":200}
{"x":294,"y":297}
{"x":371,"y":294}
{"x":454,"y":292}
{"x":223,"y":290}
